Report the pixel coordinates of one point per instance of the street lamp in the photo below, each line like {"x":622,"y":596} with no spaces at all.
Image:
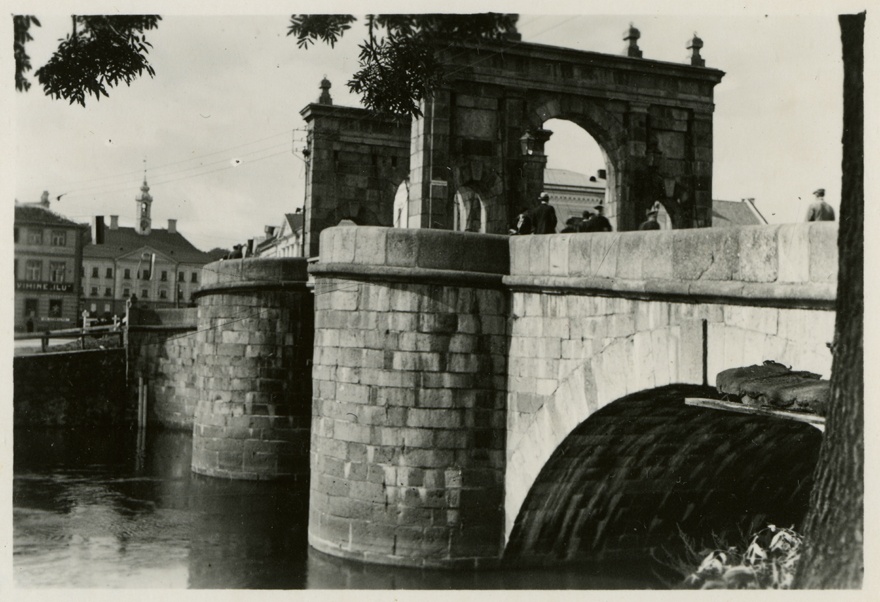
{"x":527,"y":144}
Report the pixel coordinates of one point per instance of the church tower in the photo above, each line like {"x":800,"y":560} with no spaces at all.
{"x":144,"y":203}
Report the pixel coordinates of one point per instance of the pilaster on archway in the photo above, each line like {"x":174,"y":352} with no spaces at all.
{"x":652,"y":119}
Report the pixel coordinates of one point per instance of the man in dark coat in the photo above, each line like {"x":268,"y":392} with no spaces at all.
{"x":543,"y":217}
{"x":598,"y":222}
{"x":819,"y":210}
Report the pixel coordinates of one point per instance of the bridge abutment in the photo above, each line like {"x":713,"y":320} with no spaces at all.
{"x":409,"y":413}
{"x":254,"y":344}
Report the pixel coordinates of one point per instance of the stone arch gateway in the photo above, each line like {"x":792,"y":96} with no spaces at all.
{"x":652,"y":119}
{"x":484,"y":128}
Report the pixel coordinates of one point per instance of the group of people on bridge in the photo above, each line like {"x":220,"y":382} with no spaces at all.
{"x":542,"y":219}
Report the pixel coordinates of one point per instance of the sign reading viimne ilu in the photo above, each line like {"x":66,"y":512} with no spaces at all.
{"x":47,"y":287}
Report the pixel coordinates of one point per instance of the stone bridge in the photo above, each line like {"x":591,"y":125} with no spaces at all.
{"x":455,"y":373}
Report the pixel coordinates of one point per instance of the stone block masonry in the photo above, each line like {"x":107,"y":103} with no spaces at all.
{"x":408,"y":413}
{"x":253,"y":348}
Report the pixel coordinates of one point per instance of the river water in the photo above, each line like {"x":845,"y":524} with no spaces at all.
{"x":99,"y":510}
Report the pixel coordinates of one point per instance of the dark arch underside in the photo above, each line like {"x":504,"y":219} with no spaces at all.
{"x":645,"y":470}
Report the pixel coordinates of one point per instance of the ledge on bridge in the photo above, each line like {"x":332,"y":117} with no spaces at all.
{"x":791,"y":264}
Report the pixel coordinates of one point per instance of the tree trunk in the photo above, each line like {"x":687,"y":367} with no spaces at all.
{"x":833,"y":550}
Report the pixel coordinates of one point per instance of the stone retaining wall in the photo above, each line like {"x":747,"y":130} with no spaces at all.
{"x":161,"y":347}
{"x":70,"y":389}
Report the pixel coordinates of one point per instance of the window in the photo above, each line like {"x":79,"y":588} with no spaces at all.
{"x":59,"y":238}
{"x":16,"y":235}
{"x":164,"y":276}
{"x":94,"y":272}
{"x":145,"y":294}
{"x":33,"y":270}
{"x":31,"y":306}
{"x":179,"y":295}
{"x":108,"y":292}
{"x":195,"y":277}
{"x":109,"y":273}
{"x":55,"y":306}
{"x":145,"y":275}
{"x":57,"y":271}
{"x":106,"y":308}
{"x":126,"y":293}
{"x":94,"y":292}
{"x":163,"y":294}
{"x":93,"y":308}
{"x":35,"y":237}
{"x":180,"y":277}
{"x":127,"y":274}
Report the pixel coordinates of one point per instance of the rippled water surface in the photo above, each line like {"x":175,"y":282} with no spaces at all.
{"x":112,"y":511}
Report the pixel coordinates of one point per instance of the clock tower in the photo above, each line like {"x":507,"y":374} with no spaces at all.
{"x":144,"y":202}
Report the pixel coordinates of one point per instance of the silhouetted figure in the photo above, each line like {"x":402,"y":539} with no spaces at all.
{"x":651,"y":222}
{"x":598,"y":222}
{"x":543,"y":216}
{"x":819,"y":210}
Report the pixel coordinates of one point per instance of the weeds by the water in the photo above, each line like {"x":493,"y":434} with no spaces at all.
{"x":768,"y":561}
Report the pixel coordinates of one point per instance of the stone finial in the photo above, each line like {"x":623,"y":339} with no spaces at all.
{"x":325,"y":98}
{"x":632,"y":36}
{"x":44,"y":199}
{"x":694,"y":46}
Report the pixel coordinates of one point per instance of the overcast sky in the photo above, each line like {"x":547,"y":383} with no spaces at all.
{"x":220,"y":130}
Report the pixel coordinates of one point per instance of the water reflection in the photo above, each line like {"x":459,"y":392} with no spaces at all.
{"x":89,"y":510}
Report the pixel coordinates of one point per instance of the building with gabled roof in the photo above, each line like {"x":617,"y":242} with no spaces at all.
{"x":158,"y":266}
{"x":284,"y":240}
{"x":48,"y":253}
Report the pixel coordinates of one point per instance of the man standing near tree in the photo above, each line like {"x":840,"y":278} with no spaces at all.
{"x":819,"y":210}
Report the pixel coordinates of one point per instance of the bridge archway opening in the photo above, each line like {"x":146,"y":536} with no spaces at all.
{"x":470,"y":211}
{"x":577,"y":170}
{"x":401,"y":205}
{"x":641,"y":472}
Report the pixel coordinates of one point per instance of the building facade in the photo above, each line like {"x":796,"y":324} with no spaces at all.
{"x":158,"y":266}
{"x":48,"y":253}
{"x":284,"y":240}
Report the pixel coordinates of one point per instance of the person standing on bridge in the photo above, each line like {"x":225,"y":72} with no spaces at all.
{"x":543,"y":217}
{"x":819,"y":210}
{"x":598,"y":222}
{"x":650,"y":223}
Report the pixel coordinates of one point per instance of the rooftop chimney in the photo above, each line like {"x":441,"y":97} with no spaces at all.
{"x":269,"y":230}
{"x":99,"y":230}
{"x":172,"y":226}
{"x":114,"y":222}
{"x":44,"y":199}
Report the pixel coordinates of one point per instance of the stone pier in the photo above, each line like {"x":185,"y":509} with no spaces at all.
{"x":254,"y":345}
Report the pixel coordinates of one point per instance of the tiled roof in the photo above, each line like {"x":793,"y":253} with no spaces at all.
{"x":734,"y":213}
{"x":37,"y":214}
{"x":125,"y":240}
{"x":294,"y":220}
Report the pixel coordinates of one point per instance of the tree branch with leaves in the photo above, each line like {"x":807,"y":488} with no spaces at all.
{"x":99,"y":53}
{"x":398,"y":66}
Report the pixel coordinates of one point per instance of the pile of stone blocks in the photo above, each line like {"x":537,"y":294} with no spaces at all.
{"x":774,"y":385}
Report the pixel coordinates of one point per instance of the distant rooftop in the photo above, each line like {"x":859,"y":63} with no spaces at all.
{"x":125,"y":240}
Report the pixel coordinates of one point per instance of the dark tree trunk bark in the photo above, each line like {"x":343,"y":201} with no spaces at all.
{"x":832,"y":557}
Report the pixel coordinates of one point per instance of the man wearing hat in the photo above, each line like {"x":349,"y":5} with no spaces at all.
{"x":543,"y":217}
{"x":651,"y":222}
{"x":598,"y":222}
{"x":819,"y":210}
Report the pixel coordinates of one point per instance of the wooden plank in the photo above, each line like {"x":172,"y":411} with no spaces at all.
{"x":730,"y":406}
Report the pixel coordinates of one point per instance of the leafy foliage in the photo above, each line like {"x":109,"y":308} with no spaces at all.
{"x":768,"y":562}
{"x":397,"y":70}
{"x":101,"y":52}
{"x":21,"y":36}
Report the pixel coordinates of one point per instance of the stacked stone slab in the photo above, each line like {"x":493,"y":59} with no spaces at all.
{"x":409,"y":391}
{"x":254,"y":344}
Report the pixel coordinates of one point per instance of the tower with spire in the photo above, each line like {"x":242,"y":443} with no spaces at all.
{"x":144,"y":204}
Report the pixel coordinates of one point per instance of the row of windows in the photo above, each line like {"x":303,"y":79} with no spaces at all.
{"x":142,"y":275}
{"x":57,"y":238}
{"x":31,"y":308}
{"x":33,"y":270}
{"x":126,"y":292}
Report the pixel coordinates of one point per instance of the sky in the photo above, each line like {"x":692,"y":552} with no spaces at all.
{"x":219,"y":132}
